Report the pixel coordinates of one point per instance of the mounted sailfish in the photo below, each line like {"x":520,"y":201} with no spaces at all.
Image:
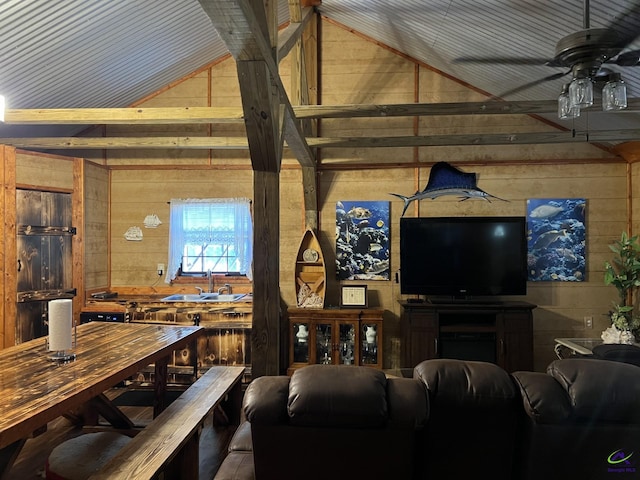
{"x":445,"y":179}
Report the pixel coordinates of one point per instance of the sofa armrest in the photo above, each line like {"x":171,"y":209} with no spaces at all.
{"x":408,"y":402}
{"x":265,"y":400}
{"x":599,"y":389}
{"x":241,"y":440}
{"x":544,"y":399}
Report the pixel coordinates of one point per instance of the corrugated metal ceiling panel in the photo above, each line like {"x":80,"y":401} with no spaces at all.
{"x":438,"y":32}
{"x":91,"y":53}
{"x":96,"y":53}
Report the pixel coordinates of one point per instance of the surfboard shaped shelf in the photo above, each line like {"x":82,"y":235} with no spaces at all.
{"x":310,"y":273}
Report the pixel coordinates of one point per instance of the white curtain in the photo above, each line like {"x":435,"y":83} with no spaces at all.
{"x":201,"y":221}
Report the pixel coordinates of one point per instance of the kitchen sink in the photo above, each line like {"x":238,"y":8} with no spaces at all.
{"x":204,"y":297}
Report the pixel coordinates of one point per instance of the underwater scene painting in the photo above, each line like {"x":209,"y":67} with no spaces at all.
{"x":362,"y":240}
{"x":556,"y":239}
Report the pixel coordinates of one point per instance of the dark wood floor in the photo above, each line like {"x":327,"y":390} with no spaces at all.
{"x":30,"y":464}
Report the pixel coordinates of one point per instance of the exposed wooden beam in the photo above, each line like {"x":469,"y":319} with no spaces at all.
{"x":195,"y":115}
{"x":213,"y":143}
{"x":239,"y":143}
{"x":250,"y":33}
{"x":246,"y":35}
{"x":111,"y":116}
{"x":477,"y":139}
{"x":431,"y":109}
{"x":288,"y":36}
{"x":261,"y":115}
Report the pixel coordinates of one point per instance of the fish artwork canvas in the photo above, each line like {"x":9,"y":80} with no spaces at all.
{"x":362,"y":240}
{"x":556,"y":238}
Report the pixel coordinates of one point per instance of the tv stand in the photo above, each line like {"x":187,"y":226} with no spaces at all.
{"x":496,"y":331}
{"x":464,"y":301}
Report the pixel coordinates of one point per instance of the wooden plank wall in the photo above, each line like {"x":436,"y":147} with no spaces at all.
{"x":8,"y":246}
{"x":355,"y":70}
{"x":136,"y":193}
{"x":96,"y":227}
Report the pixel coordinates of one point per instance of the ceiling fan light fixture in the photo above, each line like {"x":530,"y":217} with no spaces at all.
{"x":565,"y":109}
{"x":614,"y":94}
{"x":581,"y":92}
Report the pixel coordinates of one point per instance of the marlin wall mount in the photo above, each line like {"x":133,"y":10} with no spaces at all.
{"x":445,"y":179}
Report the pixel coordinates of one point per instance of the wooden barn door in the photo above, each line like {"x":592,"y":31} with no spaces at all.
{"x":45,"y":261}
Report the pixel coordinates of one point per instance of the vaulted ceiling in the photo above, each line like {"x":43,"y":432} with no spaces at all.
{"x":92,"y":53}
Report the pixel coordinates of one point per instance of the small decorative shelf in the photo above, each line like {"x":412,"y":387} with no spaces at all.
{"x":310,"y":273}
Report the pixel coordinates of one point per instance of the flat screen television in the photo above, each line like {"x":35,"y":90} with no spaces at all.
{"x":462,"y":257}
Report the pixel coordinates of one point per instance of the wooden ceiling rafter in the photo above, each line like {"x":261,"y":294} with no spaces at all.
{"x":215,"y":115}
{"x":243,"y":26}
{"x":239,"y":143}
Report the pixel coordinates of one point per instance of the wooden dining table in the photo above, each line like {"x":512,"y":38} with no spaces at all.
{"x":35,"y":390}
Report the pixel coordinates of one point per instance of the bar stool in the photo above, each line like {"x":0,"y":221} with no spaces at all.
{"x":82,"y":456}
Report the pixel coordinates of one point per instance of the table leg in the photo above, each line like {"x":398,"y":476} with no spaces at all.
{"x":160,"y":386}
{"x":8,"y":455}
{"x":558,"y":350}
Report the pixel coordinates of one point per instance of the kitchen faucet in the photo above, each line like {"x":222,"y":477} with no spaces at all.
{"x":210,"y":280}
{"x":226,"y":287}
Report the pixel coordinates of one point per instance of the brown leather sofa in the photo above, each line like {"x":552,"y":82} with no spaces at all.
{"x":330,"y":421}
{"x":454,"y":419}
{"x":582,"y":420}
{"x":475,"y":409}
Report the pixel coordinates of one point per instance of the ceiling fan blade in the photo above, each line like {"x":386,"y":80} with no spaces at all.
{"x":502,"y":60}
{"x":624,"y":29}
{"x":555,"y":76}
{"x":627,"y":59}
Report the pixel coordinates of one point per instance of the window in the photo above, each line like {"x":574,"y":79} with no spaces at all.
{"x":213,"y":234}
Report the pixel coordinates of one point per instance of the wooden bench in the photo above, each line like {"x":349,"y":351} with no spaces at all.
{"x":170,"y":443}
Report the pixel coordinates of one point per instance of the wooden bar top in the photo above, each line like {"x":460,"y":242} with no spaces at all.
{"x":35,"y":390}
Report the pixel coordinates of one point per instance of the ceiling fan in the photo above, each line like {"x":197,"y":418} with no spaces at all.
{"x":586,"y":55}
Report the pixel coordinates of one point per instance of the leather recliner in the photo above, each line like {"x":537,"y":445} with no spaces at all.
{"x":474,"y":415}
{"x":582,"y":420}
{"x":330,"y":421}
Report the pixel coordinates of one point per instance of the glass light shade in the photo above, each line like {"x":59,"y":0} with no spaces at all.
{"x":565,"y":110}
{"x":581,"y":92}
{"x":614,"y":95}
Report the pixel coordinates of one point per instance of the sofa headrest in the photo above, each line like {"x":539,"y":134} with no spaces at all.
{"x":337,"y":395}
{"x":543,"y":398}
{"x":600,"y":389}
{"x":618,"y":353}
{"x":459,"y":383}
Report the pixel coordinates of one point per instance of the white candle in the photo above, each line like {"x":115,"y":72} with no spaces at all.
{"x":60,"y":324}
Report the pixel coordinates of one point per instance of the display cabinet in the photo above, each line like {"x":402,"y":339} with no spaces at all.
{"x":335,"y":336}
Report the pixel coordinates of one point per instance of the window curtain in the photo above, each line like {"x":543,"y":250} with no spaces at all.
{"x":210,"y":220}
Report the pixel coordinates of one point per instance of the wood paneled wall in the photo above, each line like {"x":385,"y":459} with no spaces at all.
{"x":96,"y":226}
{"x":355,"y":70}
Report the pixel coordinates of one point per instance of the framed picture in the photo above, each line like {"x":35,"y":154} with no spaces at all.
{"x":353,"y":296}
{"x":363,"y":245}
{"x":557,"y":246}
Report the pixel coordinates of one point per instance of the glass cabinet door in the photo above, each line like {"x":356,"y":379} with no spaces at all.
{"x":347,"y":343}
{"x":300,"y":342}
{"x":369,"y":344}
{"x":324,"y":343}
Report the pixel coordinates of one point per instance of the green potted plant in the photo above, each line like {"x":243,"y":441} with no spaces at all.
{"x":623,"y":272}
